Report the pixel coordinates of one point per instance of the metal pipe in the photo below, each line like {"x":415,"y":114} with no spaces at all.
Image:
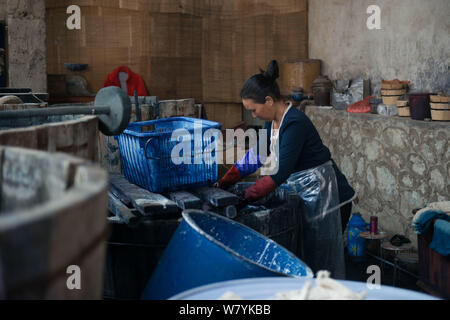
{"x":57,"y":111}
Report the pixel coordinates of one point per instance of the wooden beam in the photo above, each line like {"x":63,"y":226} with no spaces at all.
{"x":150,"y":205}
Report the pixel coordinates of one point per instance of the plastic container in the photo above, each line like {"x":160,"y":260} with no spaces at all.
{"x":268,"y":288}
{"x":387,"y":110}
{"x":147,"y":155}
{"x":374,"y":103}
{"x":420,"y":106}
{"x":357,"y":245}
{"x":208,"y":248}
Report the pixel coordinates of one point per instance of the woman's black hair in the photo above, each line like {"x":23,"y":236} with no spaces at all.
{"x":263,"y":85}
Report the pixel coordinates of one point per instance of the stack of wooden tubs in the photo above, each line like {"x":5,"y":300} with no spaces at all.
{"x":403,"y":108}
{"x":440,"y":108}
{"x":53,"y":208}
{"x":392,"y":91}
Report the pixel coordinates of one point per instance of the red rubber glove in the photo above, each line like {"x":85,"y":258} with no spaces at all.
{"x":232,"y":177}
{"x":260,"y":189}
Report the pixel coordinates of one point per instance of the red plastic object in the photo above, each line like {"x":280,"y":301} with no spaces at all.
{"x":361,"y":106}
{"x":134,"y":81}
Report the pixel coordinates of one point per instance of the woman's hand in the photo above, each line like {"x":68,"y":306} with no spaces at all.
{"x":232,"y":177}
{"x":260,"y":189}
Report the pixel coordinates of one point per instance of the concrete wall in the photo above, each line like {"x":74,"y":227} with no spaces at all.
{"x":394,"y":164}
{"x":413,"y":43}
{"x":3,"y":10}
{"x":26,"y":43}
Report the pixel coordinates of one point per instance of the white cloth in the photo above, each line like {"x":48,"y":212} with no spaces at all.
{"x":326,"y":289}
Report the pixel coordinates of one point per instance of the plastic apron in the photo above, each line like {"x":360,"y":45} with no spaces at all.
{"x":323,"y":243}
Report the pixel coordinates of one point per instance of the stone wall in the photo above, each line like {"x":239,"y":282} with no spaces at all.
{"x":411,"y":45}
{"x":395,"y":164}
{"x":26,"y":44}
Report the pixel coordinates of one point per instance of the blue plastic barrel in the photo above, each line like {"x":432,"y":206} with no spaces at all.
{"x":357,"y":245}
{"x":208,"y":248}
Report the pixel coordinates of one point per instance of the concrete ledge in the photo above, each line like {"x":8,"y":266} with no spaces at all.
{"x":395,"y":164}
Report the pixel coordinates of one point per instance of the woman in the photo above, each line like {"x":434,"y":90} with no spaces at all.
{"x":296,"y":147}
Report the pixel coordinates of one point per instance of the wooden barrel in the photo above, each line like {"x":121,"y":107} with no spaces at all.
{"x":75,"y":135}
{"x":52,"y":218}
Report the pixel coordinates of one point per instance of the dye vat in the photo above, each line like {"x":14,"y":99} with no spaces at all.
{"x":52,"y":226}
{"x":208,"y":248}
{"x":75,"y":135}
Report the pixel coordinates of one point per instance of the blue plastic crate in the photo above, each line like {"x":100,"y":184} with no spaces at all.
{"x":147,"y":155}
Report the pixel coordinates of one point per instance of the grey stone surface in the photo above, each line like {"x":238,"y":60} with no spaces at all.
{"x":27,"y":48}
{"x":395,"y":164}
{"x":3,"y":10}
{"x":411,"y":45}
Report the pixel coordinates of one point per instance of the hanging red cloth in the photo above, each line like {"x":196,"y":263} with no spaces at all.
{"x":134,"y":81}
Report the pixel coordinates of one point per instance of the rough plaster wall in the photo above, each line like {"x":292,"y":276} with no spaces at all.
{"x":414,"y":42}
{"x":395,"y":165}
{"x":3,"y":10}
{"x":26,"y":40}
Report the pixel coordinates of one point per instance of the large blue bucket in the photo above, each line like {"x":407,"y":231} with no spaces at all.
{"x":208,"y":248}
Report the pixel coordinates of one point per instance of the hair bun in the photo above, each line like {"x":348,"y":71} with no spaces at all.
{"x":273,"y":71}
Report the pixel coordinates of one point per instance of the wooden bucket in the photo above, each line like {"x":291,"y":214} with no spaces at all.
{"x":404,"y":111}
{"x":440,"y":106}
{"x":53,"y":216}
{"x":440,"y":111}
{"x":403,"y":108}
{"x":440,"y":99}
{"x":390,"y":100}
{"x":394,"y":84}
{"x":75,"y":135}
{"x":393,"y":92}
